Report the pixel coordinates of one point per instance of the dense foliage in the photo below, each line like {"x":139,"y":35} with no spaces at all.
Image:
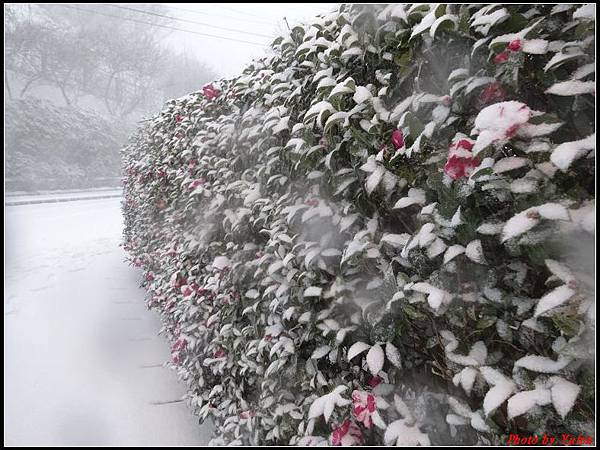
{"x":49,"y":147}
{"x":382,"y":233}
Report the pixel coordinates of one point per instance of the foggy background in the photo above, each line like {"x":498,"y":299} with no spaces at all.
{"x":78,"y":78}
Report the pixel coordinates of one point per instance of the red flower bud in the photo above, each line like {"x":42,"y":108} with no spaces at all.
{"x":501,"y":57}
{"x":515,"y":45}
{"x":397,"y":139}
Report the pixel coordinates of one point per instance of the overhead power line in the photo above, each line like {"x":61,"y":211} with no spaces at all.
{"x":211,"y":14}
{"x":190,"y":21}
{"x":162,"y":26}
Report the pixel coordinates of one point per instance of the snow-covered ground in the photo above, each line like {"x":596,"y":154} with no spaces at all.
{"x":82,"y":359}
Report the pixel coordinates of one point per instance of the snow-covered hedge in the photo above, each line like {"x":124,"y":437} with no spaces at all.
{"x":53,"y":147}
{"x":383,"y":233}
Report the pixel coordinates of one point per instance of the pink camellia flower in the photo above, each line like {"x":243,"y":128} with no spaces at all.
{"x":177,"y":357}
{"x":162,"y":173}
{"x":210,"y":92}
{"x":199,"y":182}
{"x":137,"y":262}
{"x":186,"y":291}
{"x":179,"y":281}
{"x":458,"y":167}
{"x":397,"y":139}
{"x":501,"y":57}
{"x":493,"y":92}
{"x":247,"y":414}
{"x":363,"y":407}
{"x":512,"y":130}
{"x":180,"y":344}
{"x":515,"y":45}
{"x":374,"y":381}
{"x":348,"y":433}
{"x":160,"y":204}
{"x":178,"y":118}
{"x":446,"y":100}
{"x":150,"y":276}
{"x":203,"y":292}
{"x":268,"y":338}
{"x":461,"y":162}
{"x":259,"y":255}
{"x":219,"y":354}
{"x":464,"y":144}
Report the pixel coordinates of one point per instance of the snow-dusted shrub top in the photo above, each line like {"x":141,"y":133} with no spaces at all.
{"x":366,"y":238}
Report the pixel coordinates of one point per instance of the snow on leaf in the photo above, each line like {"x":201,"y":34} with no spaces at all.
{"x":529,"y":218}
{"x":553,"y":211}
{"x":436,"y":297}
{"x":320,"y":352}
{"x":478,"y":423}
{"x":474,"y":251}
{"x":499,"y":117}
{"x":252,"y":293}
{"x":325,"y":405}
{"x":312,"y":291}
{"x":543,"y":364}
{"x":564,"y":393}
{"x":501,"y":390}
{"x":453,"y":419}
{"x":424,"y":24}
{"x":318,"y":108}
{"x":490,"y":228}
{"x":375,"y":359}
{"x":399,"y":433}
{"x":395,"y":240}
{"x":554,"y":299}
{"x":585,"y":12}
{"x":479,"y":352}
{"x":584,"y":71}
{"x":572,"y":87}
{"x":523,"y":186}
{"x":496,"y":396}
{"x":560,"y":270}
{"x":466,"y":379}
{"x":436,"y":248}
{"x":562,"y":58}
{"x":361,"y":95}
{"x":374,"y":179}
{"x":356,"y":349}
{"x":509,"y":163}
{"x":523,"y":401}
{"x":447,"y":19}
{"x":393,"y":355}
{"x":535,"y":46}
{"x":415,"y":196}
{"x":221,"y":262}
{"x":563,"y":155}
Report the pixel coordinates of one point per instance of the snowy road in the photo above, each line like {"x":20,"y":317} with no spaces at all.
{"x":82,"y":359}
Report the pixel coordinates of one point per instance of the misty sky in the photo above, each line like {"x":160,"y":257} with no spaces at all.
{"x":228,"y":57}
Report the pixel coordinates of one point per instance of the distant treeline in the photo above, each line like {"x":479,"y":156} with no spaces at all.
{"x":49,"y":147}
